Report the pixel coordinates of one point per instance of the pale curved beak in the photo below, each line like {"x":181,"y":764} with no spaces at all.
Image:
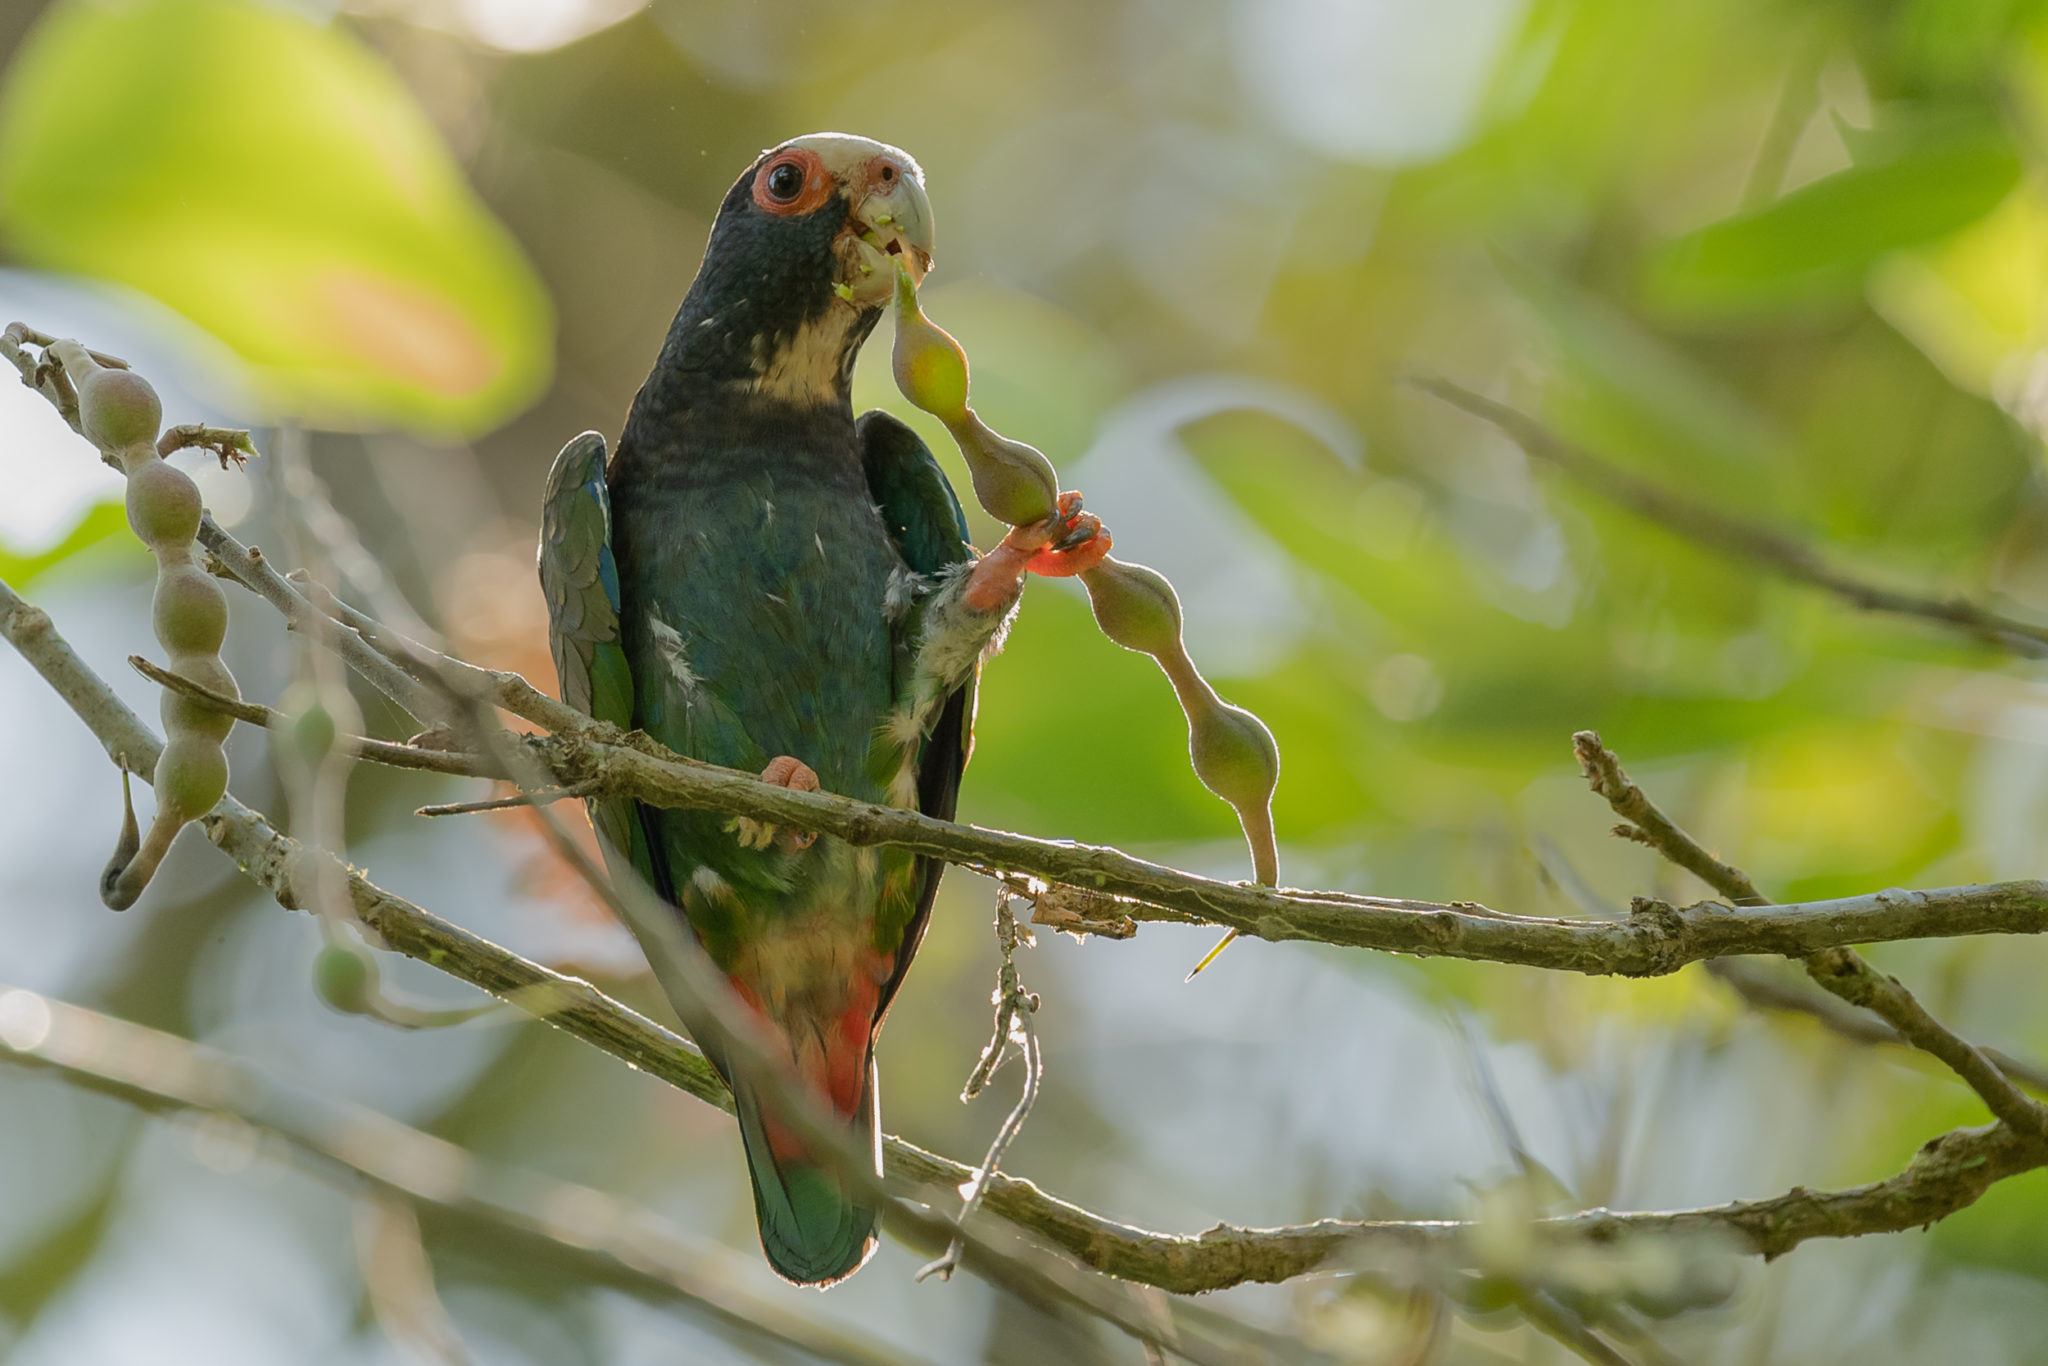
{"x":896,"y":220}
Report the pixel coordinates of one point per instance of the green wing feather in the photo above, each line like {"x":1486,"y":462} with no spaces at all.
{"x":918,"y":504}
{"x":928,"y":525}
{"x":581,"y":582}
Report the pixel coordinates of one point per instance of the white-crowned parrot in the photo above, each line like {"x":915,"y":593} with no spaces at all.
{"x":762,"y":580}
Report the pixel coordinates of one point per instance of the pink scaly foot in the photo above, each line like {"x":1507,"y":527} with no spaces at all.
{"x":782,"y":771}
{"x":1068,"y":542}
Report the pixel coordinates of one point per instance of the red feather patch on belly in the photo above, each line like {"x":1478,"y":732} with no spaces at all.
{"x":828,"y":1047}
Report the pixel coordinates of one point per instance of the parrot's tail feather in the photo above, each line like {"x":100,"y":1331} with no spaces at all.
{"x":814,"y":1229}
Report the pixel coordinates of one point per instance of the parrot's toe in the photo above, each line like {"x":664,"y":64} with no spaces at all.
{"x":1068,"y":542}
{"x":782,"y":771}
{"x":1083,"y":545}
{"x":785,"y":771}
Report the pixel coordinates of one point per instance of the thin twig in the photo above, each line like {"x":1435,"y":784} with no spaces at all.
{"x":1735,"y":536}
{"x":362,"y":747}
{"x":247,"y":566}
{"x":44,"y":375}
{"x":544,"y":797}
{"x":398,"y":1281}
{"x":1014,"y":1024}
{"x":1655,"y":939}
{"x":231,"y":445}
{"x":1649,"y":825}
{"x":500,"y":687}
{"x":1563,"y":1326}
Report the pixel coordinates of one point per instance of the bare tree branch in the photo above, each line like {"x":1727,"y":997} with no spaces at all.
{"x":1944,"y":1176}
{"x":1735,"y":536}
{"x":1948,"y":1173}
{"x":162,"y":1073}
{"x":1657,"y":938}
{"x":247,"y":566}
{"x":362,"y":747}
{"x":1842,"y":971}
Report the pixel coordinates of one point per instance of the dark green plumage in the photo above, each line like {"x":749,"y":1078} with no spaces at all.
{"x":580,"y":578}
{"x":757,"y":575}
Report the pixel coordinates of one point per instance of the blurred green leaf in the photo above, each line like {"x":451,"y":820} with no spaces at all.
{"x":1814,"y":246}
{"x":2003,"y":1231}
{"x":270,"y":179}
{"x":1074,"y":736}
{"x":102,"y":533}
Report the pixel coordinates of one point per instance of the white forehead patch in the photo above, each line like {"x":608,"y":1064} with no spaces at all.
{"x":844,"y":153}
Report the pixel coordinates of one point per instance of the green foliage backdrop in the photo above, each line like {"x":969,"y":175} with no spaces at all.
{"x":1787,"y":260}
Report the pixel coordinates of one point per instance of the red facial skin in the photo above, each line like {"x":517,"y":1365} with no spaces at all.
{"x":817,"y":186}
{"x":881,"y":172}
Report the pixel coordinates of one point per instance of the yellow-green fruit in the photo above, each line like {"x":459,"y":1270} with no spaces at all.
{"x":345,"y":976}
{"x":1490,"y":1294}
{"x":1135,"y":606}
{"x":188,"y":716}
{"x":1234,"y":755}
{"x":163,"y":504}
{"x":1013,"y":481}
{"x":930,"y":368}
{"x":190,"y":777}
{"x":190,"y":613}
{"x":118,"y":409}
{"x":929,"y":365}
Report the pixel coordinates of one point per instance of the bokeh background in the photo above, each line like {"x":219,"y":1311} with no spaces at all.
{"x":1788,"y":259}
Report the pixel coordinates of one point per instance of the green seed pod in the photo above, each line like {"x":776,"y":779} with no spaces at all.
{"x":1135,"y":607}
{"x":125,"y":849}
{"x":190,"y":777}
{"x":1013,"y":481}
{"x":120,"y":887}
{"x":163,"y":504}
{"x":930,"y":367}
{"x":119,"y":412}
{"x":190,"y":612}
{"x":345,"y":975}
{"x":1234,"y":754}
{"x":118,"y":409}
{"x":184,"y":715}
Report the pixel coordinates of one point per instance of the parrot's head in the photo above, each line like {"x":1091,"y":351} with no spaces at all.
{"x":801,"y":261}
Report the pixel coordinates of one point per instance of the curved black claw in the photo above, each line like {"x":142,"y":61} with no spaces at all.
{"x":1076,"y":533}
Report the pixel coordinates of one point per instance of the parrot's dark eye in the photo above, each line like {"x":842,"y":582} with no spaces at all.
{"x":793,"y":181}
{"x":786,"y":182}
